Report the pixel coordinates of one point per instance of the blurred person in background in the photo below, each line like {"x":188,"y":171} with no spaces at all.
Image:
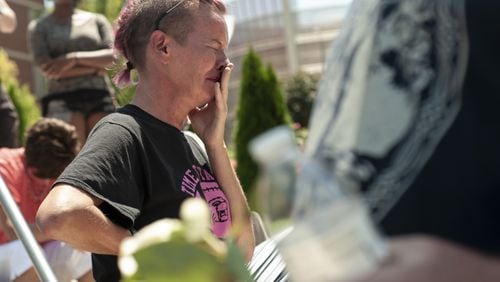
{"x":408,"y":114}
{"x":8,"y":20}
{"x":73,"y":48}
{"x":9,"y":121}
{"x":28,"y":173}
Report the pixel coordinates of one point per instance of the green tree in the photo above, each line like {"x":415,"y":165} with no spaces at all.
{"x":109,"y":8}
{"x":261,"y":107}
{"x":278,"y":110}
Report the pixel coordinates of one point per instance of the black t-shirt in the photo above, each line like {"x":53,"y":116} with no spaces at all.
{"x":456,"y":196}
{"x":143,"y":169}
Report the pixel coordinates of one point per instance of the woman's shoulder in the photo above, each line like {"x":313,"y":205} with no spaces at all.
{"x":127,"y":117}
{"x":121,"y":117}
{"x":115,"y":129}
{"x":81,"y":17}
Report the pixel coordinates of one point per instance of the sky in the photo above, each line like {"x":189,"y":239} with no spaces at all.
{"x":48,"y":3}
{"x":309,"y":4}
{"x":301,"y":4}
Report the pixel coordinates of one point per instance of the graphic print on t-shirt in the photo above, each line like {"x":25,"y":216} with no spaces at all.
{"x":198,"y":180}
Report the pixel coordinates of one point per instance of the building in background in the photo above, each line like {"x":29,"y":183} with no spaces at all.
{"x":16,"y":44}
{"x":291,"y":35}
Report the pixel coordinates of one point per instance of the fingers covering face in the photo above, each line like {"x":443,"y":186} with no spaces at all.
{"x":226,"y":74}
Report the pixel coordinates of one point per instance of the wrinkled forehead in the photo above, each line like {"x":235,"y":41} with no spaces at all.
{"x":211,"y":26}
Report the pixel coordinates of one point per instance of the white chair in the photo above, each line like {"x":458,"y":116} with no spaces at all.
{"x":259,"y":230}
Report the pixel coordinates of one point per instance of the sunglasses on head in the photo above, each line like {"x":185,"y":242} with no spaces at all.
{"x":157,"y":23}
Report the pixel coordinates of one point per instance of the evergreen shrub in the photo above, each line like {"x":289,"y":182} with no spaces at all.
{"x":261,"y":107}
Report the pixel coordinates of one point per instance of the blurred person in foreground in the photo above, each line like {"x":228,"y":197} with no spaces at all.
{"x":9,"y":121}
{"x":138,"y":165}
{"x":72,"y":48}
{"x":28,"y":173}
{"x":407,"y":113}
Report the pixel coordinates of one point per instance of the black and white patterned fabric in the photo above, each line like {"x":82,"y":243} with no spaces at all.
{"x":391,"y":90}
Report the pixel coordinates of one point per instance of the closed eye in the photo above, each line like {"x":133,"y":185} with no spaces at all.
{"x":216,"y":49}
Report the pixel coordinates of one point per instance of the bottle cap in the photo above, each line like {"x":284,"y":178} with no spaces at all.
{"x":273,"y":145}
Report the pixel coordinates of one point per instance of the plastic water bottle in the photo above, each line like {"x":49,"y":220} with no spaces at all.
{"x":277,"y":155}
{"x":333,"y":237}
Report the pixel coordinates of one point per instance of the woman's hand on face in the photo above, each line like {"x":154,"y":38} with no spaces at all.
{"x":209,"y":122}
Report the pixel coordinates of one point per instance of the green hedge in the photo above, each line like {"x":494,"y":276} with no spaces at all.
{"x":261,"y":107}
{"x":301,"y":91}
{"x":25,"y":103}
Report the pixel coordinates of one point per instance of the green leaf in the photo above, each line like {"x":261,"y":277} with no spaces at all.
{"x":178,"y":261}
{"x":181,"y":250}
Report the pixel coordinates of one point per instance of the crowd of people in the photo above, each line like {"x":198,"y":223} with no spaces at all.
{"x":72,"y":49}
{"x":408,"y":94}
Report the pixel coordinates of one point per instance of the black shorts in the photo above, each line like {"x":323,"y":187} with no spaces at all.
{"x":85,"y":101}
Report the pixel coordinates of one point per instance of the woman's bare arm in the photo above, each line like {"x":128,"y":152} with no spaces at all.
{"x":226,"y":176}
{"x":8,"y":228}
{"x":71,"y":215}
{"x":209,"y":123}
{"x":99,"y":59}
